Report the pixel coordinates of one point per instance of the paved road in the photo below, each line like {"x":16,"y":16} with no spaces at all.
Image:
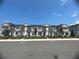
{"x":38,"y":50}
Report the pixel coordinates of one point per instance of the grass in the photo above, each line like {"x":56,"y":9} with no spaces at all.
{"x":22,"y":37}
{"x":35,"y":37}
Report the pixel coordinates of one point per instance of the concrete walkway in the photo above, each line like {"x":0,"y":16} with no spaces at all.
{"x":59,"y":39}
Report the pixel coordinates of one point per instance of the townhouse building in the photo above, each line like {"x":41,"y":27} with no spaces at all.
{"x":34,"y":30}
{"x":74,"y":30}
{"x":64,"y":30}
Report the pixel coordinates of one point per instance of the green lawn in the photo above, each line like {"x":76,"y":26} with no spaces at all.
{"x":35,"y":37}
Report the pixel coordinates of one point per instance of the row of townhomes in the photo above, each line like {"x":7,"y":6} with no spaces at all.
{"x":62,"y":30}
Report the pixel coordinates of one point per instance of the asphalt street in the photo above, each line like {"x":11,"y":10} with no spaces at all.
{"x":39,"y":50}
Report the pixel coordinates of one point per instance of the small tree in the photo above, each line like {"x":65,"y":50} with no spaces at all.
{"x":35,"y":31}
{"x":6,"y":32}
{"x":72,"y":33}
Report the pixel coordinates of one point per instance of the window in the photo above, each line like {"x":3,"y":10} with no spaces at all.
{"x":55,"y":28}
{"x":39,"y":27}
{"x":39,"y":33}
{"x":67,"y":33}
{"x":17,"y":27}
{"x":33,"y":33}
{"x":17,"y":32}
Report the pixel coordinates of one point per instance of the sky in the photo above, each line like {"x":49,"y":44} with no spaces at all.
{"x":39,"y":12}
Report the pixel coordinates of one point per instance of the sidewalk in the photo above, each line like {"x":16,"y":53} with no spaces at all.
{"x":59,"y":39}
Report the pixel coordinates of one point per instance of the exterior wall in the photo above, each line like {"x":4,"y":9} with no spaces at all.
{"x":25,"y":32}
{"x":35,"y":30}
{"x":54,"y":31}
{"x":74,"y":30}
{"x":17,"y":31}
{"x":39,"y":31}
{"x":47,"y":33}
{"x":64,"y":30}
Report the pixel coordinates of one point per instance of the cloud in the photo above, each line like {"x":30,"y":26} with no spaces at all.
{"x":63,"y":2}
{"x":74,"y":14}
{"x":76,"y":22}
{"x":57,"y":14}
{"x":7,"y":21}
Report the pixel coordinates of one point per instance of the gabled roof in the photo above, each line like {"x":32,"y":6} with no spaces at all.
{"x":63,"y":25}
{"x":74,"y":25}
{"x":36,"y":25}
{"x":18,"y":25}
{"x":5,"y":24}
{"x":26,"y":24}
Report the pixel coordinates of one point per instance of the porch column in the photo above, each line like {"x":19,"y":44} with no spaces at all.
{"x":14,"y":34}
{"x":37,"y":31}
{"x":69,"y":33}
{"x":30,"y":33}
{"x":0,"y":33}
{"x":47,"y":33}
{"x":42,"y":34}
{"x":10,"y":33}
{"x":64,"y":34}
{"x":52,"y":34}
